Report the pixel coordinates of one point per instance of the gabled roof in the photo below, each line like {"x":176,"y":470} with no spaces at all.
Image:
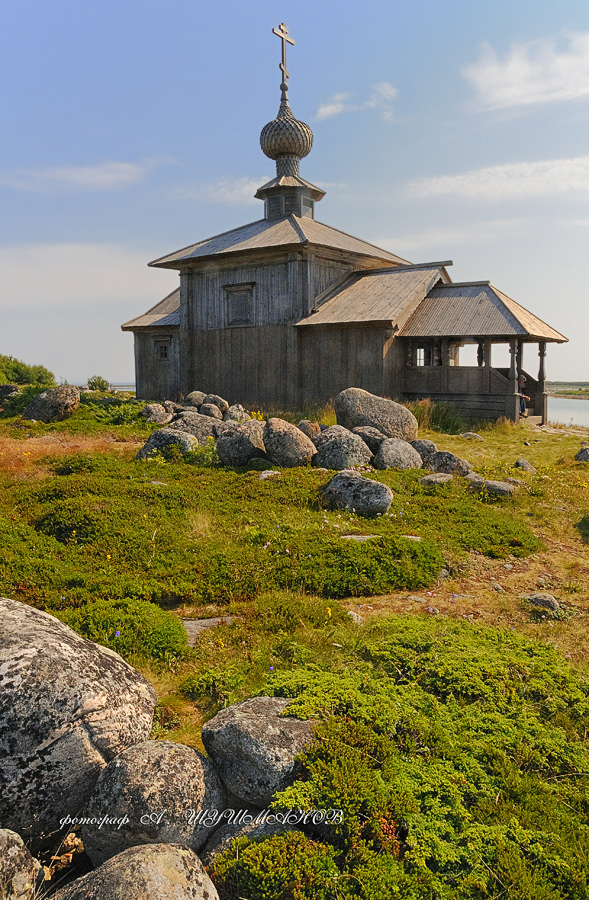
{"x":475,"y":309}
{"x":265,"y":233}
{"x":164,"y":314}
{"x":379,"y":295}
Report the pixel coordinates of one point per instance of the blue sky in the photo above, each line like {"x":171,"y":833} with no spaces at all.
{"x":442,"y":131}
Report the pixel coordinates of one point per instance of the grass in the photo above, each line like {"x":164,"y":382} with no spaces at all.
{"x":456,"y":710}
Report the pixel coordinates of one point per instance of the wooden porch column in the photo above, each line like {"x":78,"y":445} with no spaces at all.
{"x":481,"y":354}
{"x":520,"y":356}
{"x":512,"y":396}
{"x":541,"y":401}
{"x":487,"y":349}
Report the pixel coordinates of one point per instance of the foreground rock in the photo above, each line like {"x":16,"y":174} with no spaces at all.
{"x":217,"y":401}
{"x":195,"y":398}
{"x":427,"y":450}
{"x":286,"y":444}
{"x":239,"y":445}
{"x":54,"y":405}
{"x":311,"y":429}
{"x":20,"y":873}
{"x":495,"y":488}
{"x":583,"y":455}
{"x":164,"y":438}
{"x":372,"y":437}
{"x":200,"y":427}
{"x":338,"y":448}
{"x":354,"y":493}
{"x":236,"y":413}
{"x":150,"y":872}
{"x":254,"y":749}
{"x":67,"y":707}
{"x":355,"y":407}
{"x":543,"y":601}
{"x":525,"y":466}
{"x":436,"y":478}
{"x":155,"y":413}
{"x":145,"y":779}
{"x":397,"y":454}
{"x":211,"y":410}
{"x":444,"y":461}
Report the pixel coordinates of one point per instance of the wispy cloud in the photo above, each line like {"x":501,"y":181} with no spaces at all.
{"x":511,"y":181}
{"x":381,"y":97}
{"x":531,"y":73}
{"x":44,"y":276}
{"x":235,"y":191}
{"x":109,"y":176}
{"x":444,"y":239}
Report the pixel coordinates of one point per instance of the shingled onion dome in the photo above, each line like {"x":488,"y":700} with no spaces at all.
{"x":287,"y":140}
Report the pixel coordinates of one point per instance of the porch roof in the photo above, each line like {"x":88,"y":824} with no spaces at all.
{"x":475,"y":309}
{"x":166,"y":314}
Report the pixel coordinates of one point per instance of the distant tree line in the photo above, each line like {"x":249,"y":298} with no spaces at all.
{"x":14,"y":371}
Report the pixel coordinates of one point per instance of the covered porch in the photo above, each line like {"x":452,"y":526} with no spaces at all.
{"x":457,"y":315}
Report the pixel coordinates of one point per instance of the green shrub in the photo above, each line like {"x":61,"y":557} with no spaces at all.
{"x":14,"y":371}
{"x":131,"y":627}
{"x":98,"y":383}
{"x":284,"y":867}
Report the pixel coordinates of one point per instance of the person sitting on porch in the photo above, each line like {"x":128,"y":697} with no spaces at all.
{"x":522,"y":397}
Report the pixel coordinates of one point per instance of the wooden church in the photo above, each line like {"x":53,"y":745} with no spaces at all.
{"x":287,"y":311}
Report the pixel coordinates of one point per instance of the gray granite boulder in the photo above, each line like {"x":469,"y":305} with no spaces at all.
{"x":20,"y":873}
{"x":472,"y":436}
{"x":397,"y":454}
{"x":354,"y":493}
{"x":67,"y":707}
{"x":495,"y":488}
{"x":436,"y":478}
{"x":328,"y":434}
{"x":311,"y":429}
{"x":525,"y":466}
{"x":8,"y":391}
{"x":210,"y":409}
{"x":238,"y":445}
{"x":149,"y":872}
{"x":195,"y":398}
{"x":223,"y":837}
{"x":172,"y":407}
{"x":340,"y":449}
{"x":217,"y":401}
{"x":543,"y":601}
{"x":236,"y":413}
{"x":155,"y":413}
{"x":145,"y":780}
{"x":583,"y":455}
{"x":427,"y":450}
{"x":354,"y":407}
{"x":286,"y":445}
{"x":444,"y":461}
{"x":163,"y":438}
{"x":200,"y":427}
{"x":254,"y":748}
{"x":372,"y":437}
{"x":54,"y":405}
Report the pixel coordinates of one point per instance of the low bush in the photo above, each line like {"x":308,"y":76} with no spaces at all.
{"x":14,"y":371}
{"x":134,"y":628}
{"x":98,"y":383}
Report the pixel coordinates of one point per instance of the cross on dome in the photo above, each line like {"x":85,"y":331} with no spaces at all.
{"x":282,"y":33}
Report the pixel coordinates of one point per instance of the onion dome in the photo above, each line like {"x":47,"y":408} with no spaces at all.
{"x":287,"y":140}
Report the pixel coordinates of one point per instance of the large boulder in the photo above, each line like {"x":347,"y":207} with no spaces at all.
{"x":286,"y":445}
{"x":163,"y":438}
{"x":67,"y":707}
{"x":149,"y":872}
{"x":156,"y":790}
{"x":54,"y":405}
{"x":236,"y":413}
{"x":397,"y":454}
{"x":427,"y":450}
{"x":338,"y":448}
{"x":200,"y":427}
{"x":254,"y":747}
{"x":20,"y":873}
{"x":238,"y":445}
{"x":156,"y":414}
{"x":372,"y":437}
{"x":354,"y":407}
{"x":444,"y":461}
{"x":217,"y":401}
{"x":583,"y":455}
{"x":354,"y":493}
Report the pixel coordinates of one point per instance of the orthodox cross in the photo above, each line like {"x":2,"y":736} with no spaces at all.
{"x":282,"y":33}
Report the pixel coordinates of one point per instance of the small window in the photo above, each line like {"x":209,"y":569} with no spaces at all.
{"x":162,"y":349}
{"x":240,"y":304}
{"x":307,"y":207}
{"x":423,"y":355}
{"x":420,"y":360}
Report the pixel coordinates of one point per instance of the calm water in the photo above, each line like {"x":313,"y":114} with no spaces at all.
{"x":567,"y":411}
